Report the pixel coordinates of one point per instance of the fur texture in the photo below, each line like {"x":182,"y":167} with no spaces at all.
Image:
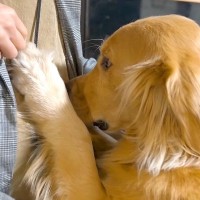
{"x":146,"y":85}
{"x":59,"y":138}
{"x":147,"y":82}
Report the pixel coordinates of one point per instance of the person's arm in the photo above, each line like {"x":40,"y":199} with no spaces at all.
{"x":12,"y":32}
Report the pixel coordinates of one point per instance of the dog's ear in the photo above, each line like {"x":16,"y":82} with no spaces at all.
{"x":141,"y":80}
{"x":164,"y":98}
{"x":183,"y":91}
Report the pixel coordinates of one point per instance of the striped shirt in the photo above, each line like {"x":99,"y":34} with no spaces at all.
{"x":8,"y":132}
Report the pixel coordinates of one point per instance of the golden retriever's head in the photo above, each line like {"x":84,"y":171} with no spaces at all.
{"x":147,"y":82}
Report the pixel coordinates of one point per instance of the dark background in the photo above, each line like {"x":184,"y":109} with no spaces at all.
{"x":100,"y":18}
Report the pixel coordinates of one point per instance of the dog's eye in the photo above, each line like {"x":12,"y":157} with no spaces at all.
{"x":106,"y":63}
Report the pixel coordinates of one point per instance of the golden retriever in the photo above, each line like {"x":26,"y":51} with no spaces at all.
{"x":146,"y":86}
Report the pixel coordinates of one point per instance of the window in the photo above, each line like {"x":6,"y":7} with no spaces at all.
{"x":102,"y":17}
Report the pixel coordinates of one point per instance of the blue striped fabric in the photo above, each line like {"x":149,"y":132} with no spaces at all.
{"x":69,"y":14}
{"x":8,"y":132}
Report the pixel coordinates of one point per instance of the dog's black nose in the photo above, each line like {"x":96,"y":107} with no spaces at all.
{"x":101,"y":124}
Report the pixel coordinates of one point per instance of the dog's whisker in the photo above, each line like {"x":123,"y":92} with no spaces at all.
{"x":97,"y":49}
{"x":99,"y":40}
{"x":89,"y":47}
{"x":92,"y":43}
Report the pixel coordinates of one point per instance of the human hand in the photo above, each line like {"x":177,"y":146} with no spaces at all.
{"x":12,"y":32}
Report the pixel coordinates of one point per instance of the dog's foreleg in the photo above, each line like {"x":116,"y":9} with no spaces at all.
{"x":69,"y":157}
{"x":63,"y":164}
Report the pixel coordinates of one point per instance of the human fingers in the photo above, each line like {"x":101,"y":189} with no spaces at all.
{"x":8,"y":49}
{"x":18,"y":40}
{"x":20,"y":26}
{"x":11,"y":28}
{"x":12,"y":16}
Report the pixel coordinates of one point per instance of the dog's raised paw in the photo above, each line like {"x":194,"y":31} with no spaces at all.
{"x":28,"y":69}
{"x":35,"y":76}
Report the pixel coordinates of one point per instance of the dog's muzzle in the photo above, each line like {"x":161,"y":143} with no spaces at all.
{"x":101,"y":125}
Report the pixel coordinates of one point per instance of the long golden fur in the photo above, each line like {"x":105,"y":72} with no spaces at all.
{"x":146,"y":86}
